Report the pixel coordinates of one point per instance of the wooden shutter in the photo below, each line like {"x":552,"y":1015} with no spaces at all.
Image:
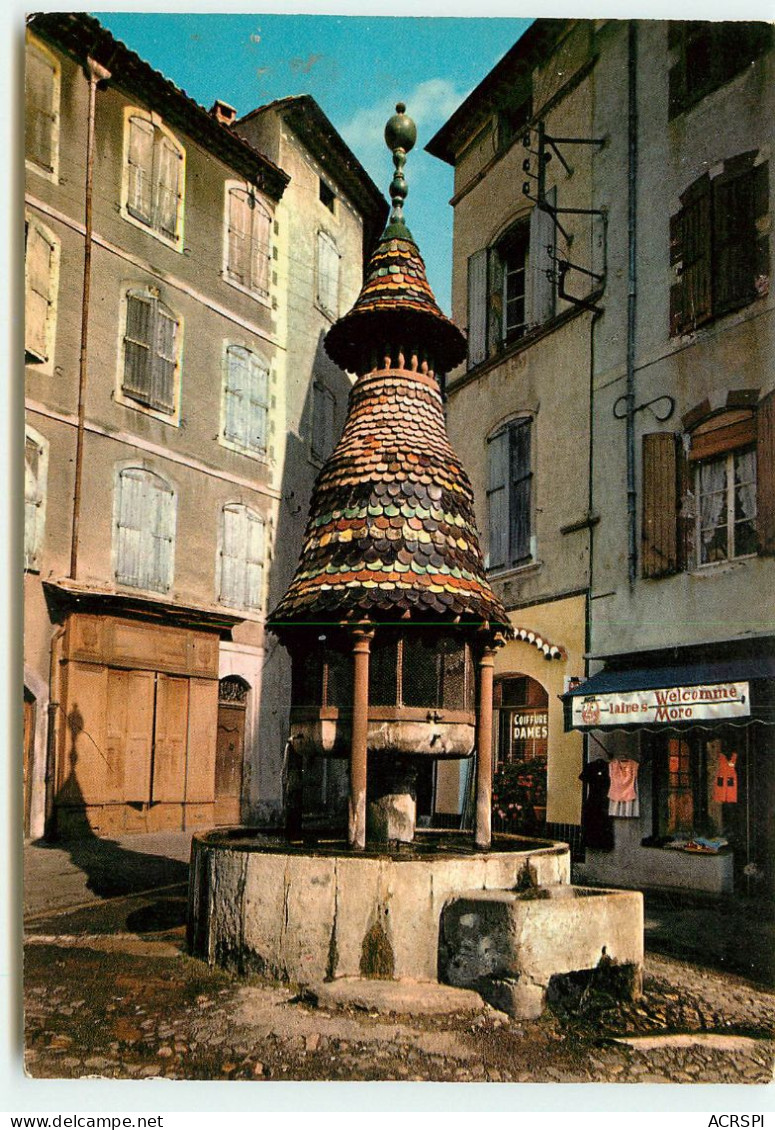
{"x":170,"y":739}
{"x":659,"y":538}
{"x":34,"y":495}
{"x":164,"y":360}
{"x":232,"y":555}
{"x":520,"y":517}
{"x":138,"y":346}
{"x":496,"y":328}
{"x":38,"y":268}
{"x":167,"y":186}
{"x":129,"y":736}
{"x":259,"y":401}
{"x":202,"y":739}
{"x":140,"y":170}
{"x":238,"y":265}
{"x":234,"y":393}
{"x":540,"y":284}
{"x":82,"y":769}
{"x":132,"y":503}
{"x":477,"y":308}
{"x":40,"y":118}
{"x":260,"y":249}
{"x":696,"y":265}
{"x":734,"y":242}
{"x":765,"y":474}
{"x":497,"y":500}
{"x":160,"y":535}
{"x":254,"y":560}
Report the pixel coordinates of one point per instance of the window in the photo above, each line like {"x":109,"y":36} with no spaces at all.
{"x":41,"y":282}
{"x":35,"y":475}
{"x":323,"y":421}
{"x":41,"y":132}
{"x":708,"y":55}
{"x":151,"y":351}
{"x":242,"y":558}
{"x":709,"y":496}
{"x":509,"y":495}
{"x":510,"y":286}
{"x":718,"y":254}
{"x":155,"y":165}
{"x":245,"y":400}
{"x":328,"y":275}
{"x":145,"y":530}
{"x":248,"y":247}
{"x":327,"y":196}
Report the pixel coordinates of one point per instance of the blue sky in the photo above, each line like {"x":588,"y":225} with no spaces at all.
{"x":356,"y":67}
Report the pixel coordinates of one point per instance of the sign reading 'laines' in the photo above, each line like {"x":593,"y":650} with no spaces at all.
{"x":663,"y":704}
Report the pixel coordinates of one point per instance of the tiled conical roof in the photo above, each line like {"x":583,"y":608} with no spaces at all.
{"x":391,"y":524}
{"x":391,"y":529}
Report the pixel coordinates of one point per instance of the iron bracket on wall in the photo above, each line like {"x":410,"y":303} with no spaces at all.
{"x":662,"y":414}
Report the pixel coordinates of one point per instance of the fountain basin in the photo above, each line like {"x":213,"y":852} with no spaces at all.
{"x":305,"y":914}
{"x":508,"y":945}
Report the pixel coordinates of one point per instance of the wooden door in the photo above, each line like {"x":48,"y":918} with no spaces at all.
{"x":170,"y":739}
{"x":229,"y":755}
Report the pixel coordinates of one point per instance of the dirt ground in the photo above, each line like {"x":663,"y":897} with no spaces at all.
{"x":111,"y":992}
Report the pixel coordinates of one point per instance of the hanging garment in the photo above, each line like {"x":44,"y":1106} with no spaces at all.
{"x":725,"y":789}
{"x":595,"y":821}
{"x":623,"y":793}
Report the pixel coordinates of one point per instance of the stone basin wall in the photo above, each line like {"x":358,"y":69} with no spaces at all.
{"x":307,"y":917}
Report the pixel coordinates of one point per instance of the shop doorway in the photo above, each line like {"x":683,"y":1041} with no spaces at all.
{"x":522,"y":726}
{"x":230,"y":748}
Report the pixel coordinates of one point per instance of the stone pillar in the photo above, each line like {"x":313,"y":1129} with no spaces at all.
{"x":483,"y":830}
{"x":392,"y":805}
{"x":356,"y":831}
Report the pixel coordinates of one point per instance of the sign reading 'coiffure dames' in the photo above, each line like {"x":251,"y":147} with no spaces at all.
{"x":663,"y":704}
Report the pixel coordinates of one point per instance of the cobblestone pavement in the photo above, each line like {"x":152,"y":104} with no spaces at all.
{"x":110,"y":992}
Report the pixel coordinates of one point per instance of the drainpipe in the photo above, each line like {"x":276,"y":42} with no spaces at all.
{"x":632,"y":172}
{"x":96,"y":74}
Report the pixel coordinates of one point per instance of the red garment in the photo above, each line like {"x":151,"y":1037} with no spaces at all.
{"x":725,"y":789}
{"x":624,"y":774}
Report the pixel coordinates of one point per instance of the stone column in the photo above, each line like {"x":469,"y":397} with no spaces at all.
{"x":356,"y":832}
{"x":483,"y":831}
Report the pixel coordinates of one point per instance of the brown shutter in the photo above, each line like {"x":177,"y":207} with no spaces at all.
{"x":82,"y":773}
{"x":697,"y":264}
{"x":202,"y":738}
{"x":170,"y":739}
{"x":676,"y":265}
{"x":761,"y":193}
{"x":734,"y":242}
{"x":660,"y":504}
{"x":765,"y":474}
{"x":129,"y":736}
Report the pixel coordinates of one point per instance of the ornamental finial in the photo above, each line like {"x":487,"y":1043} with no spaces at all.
{"x":400,"y":136}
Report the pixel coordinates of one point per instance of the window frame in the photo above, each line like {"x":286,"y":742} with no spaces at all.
{"x":233,"y":442}
{"x":729,"y":461}
{"x":146,"y":535}
{"x":44,"y":364}
{"x":513,"y":485}
{"x":153,"y":295}
{"x":50,"y":172}
{"x":259,"y":206}
{"x":35,"y":533}
{"x":234,"y":599}
{"x":749,"y":41}
{"x":161,"y":133}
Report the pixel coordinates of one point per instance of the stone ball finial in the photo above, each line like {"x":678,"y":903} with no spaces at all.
{"x":400,"y":131}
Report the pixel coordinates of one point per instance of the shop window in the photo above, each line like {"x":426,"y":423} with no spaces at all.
{"x":522,"y":727}
{"x":154,"y":176}
{"x":323,"y":421}
{"x":145,"y":530}
{"x":708,"y":55}
{"x":41,"y":123}
{"x":509,"y":495}
{"x":708,"y":495}
{"x":248,"y":240}
{"x":245,"y":401}
{"x":698,"y":782}
{"x":327,"y":275}
{"x":719,"y":245}
{"x":242,"y":558}
{"x":41,"y":283}
{"x":511,"y":286}
{"x":35,"y":480}
{"x":151,"y":351}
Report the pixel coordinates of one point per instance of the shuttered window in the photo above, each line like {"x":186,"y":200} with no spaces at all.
{"x":154,"y":177}
{"x":509,"y":495}
{"x":323,"y":421}
{"x":40,"y":284}
{"x":328,"y":275}
{"x":150,"y":351}
{"x":248,"y":251}
{"x":660,"y":533}
{"x":35,"y":476}
{"x":242,"y":557}
{"x":709,"y":55}
{"x":42,"y":108}
{"x":719,"y":259}
{"x":246,"y":400}
{"x":145,"y":530}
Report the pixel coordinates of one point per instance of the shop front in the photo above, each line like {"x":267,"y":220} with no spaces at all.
{"x":680,"y":770}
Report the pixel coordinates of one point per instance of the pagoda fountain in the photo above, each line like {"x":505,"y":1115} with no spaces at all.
{"x":392,"y":630}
